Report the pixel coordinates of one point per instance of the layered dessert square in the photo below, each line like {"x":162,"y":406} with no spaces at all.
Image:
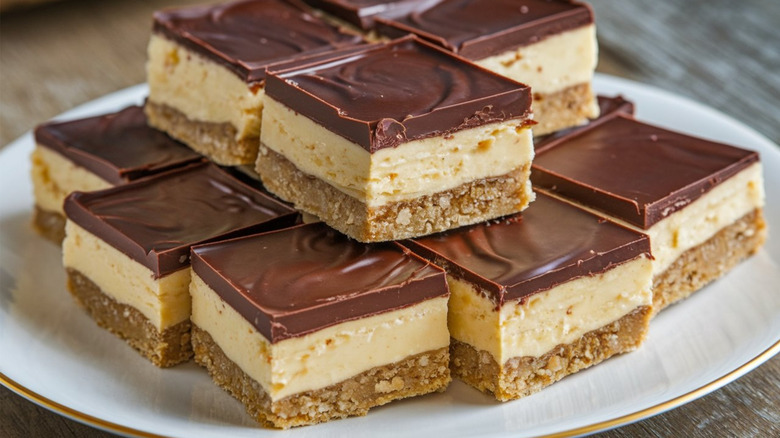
{"x":396,"y":141}
{"x":207,"y":65}
{"x":126,"y":250}
{"x":548,"y":44}
{"x":92,"y":154}
{"x":700,"y":201}
{"x":541,"y":295}
{"x":305,"y":325}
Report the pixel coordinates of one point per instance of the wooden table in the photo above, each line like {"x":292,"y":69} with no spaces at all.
{"x":722,"y":53}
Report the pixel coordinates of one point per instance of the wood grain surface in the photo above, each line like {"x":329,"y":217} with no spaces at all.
{"x":722,"y":53}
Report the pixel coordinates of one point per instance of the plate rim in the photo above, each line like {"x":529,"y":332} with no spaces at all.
{"x":601,"y":426}
{"x":131,"y":95}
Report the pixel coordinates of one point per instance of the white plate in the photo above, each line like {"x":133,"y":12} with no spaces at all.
{"x":53,"y":354}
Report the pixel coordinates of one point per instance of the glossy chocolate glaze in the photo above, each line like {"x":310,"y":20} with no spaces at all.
{"x":634,"y":171}
{"x":118,"y":147}
{"x":303,"y":279}
{"x":406,"y":90}
{"x":550,"y":243}
{"x":361,"y":13}
{"x":154,"y":221}
{"x":478,"y":29}
{"x":608,"y":107}
{"x":248,"y":36}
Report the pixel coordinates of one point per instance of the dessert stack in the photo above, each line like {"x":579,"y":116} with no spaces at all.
{"x":334,"y":205}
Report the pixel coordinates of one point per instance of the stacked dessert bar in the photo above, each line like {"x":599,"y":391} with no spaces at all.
{"x":433,"y":258}
{"x":305,"y":325}
{"x":541,"y":295}
{"x":699,"y":201}
{"x":399,"y":140}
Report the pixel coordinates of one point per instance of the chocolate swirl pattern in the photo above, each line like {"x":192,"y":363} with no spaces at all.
{"x":406,"y":90}
{"x":118,"y":147}
{"x":364,"y":88}
{"x":248,"y":36}
{"x":306,"y":278}
{"x":546,"y":245}
{"x":155,"y":221}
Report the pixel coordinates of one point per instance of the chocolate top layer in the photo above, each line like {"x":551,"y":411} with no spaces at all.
{"x":118,"y":147}
{"x":478,"y":29}
{"x":303,"y":279}
{"x":154,"y":221}
{"x":361,"y":13}
{"x":249,"y":36}
{"x":634,"y":171}
{"x":402,"y":91}
{"x":550,"y":243}
{"x":608,"y":107}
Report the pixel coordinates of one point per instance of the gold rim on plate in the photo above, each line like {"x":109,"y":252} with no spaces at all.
{"x":591,"y":428}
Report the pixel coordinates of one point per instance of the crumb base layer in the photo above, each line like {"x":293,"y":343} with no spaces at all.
{"x":709,"y":261}
{"x":164,"y":349}
{"x":416,"y":375}
{"x":217,"y":141}
{"x":470,"y":203}
{"x":572,"y":106}
{"x":522,"y":376}
{"x":49,"y":224}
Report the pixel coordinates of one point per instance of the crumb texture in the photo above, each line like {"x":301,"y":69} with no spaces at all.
{"x":709,"y":261}
{"x":467,"y":204}
{"x":49,"y":224}
{"x":164,"y":349}
{"x":522,"y":376}
{"x":416,"y":375}
{"x":563,"y":109}
{"x":217,"y":141}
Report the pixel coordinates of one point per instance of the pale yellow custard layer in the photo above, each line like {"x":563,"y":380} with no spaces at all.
{"x":408,"y":171}
{"x":551,"y":65}
{"x":704,"y":217}
{"x":201,"y":89}
{"x":325,"y":357}
{"x":164,"y":301}
{"x":54,"y":177}
{"x":560,"y":315}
